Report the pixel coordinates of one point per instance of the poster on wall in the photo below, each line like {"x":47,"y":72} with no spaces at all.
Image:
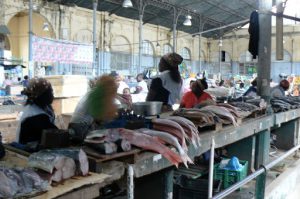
{"x":50,"y":50}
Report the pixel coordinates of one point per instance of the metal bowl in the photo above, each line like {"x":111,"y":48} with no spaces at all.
{"x":147,"y":108}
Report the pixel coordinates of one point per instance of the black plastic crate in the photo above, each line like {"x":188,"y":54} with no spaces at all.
{"x":187,"y":188}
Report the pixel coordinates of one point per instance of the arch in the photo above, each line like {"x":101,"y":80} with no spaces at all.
{"x":167,"y":48}
{"x":148,"y":48}
{"x":185,"y":53}
{"x":120,"y":43}
{"x":25,"y":13}
{"x":84,"y":36}
{"x":18,"y":37}
{"x":120,"y":55}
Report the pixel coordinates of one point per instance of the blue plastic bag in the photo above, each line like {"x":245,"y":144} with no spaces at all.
{"x":234,"y":164}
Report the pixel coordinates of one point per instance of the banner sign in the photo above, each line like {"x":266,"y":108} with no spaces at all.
{"x":49,"y":50}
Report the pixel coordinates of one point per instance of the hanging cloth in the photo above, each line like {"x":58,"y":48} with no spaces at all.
{"x":254,"y":34}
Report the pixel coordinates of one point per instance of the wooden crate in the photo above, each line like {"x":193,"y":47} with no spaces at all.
{"x":68,"y":85}
{"x":65,"y":105}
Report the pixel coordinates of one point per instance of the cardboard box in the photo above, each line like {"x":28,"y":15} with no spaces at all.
{"x":68,"y":85}
{"x":65,"y":105}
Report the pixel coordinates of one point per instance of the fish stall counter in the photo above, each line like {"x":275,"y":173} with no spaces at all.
{"x":75,"y":187}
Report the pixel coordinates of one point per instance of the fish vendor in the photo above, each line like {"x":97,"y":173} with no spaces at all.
{"x":38,"y":113}
{"x":167,"y":86}
{"x":103,"y":92}
{"x":197,"y":94}
{"x":252,"y":90}
{"x":279,"y":90}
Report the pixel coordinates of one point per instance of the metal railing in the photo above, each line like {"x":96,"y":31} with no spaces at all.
{"x":264,"y":168}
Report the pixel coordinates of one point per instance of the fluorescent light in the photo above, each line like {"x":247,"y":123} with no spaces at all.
{"x":187,"y":21}
{"x":127,"y":4}
{"x":46,"y":27}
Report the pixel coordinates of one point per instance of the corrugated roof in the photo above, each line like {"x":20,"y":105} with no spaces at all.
{"x":206,"y":14}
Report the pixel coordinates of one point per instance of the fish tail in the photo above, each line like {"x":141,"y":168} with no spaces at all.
{"x":173,"y":157}
{"x":186,"y":159}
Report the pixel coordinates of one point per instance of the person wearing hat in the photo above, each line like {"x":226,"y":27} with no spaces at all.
{"x":166,"y":87}
{"x":38,"y":113}
{"x":279,"y":90}
{"x":196,"y":95}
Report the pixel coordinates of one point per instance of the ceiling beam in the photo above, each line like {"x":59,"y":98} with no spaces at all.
{"x":225,"y":9}
{"x":115,"y":10}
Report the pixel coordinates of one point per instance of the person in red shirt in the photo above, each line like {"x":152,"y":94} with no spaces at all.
{"x":196,"y":95}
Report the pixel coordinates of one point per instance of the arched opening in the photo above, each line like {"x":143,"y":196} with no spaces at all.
{"x":18,"y":26}
{"x":148,"y":56}
{"x":167,"y":48}
{"x":186,"y":66}
{"x":120,"y":55}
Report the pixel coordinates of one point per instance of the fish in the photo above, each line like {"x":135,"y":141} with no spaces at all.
{"x":20,"y":182}
{"x":222,"y":112}
{"x":149,"y":143}
{"x":104,"y":148}
{"x":190,"y":129}
{"x":170,"y":139}
{"x":79,"y":156}
{"x":58,"y":165}
{"x":244,"y":106}
{"x":171,"y":127}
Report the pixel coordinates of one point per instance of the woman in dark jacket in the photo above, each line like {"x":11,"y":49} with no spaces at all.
{"x":166,"y":87}
{"x":38,"y":113}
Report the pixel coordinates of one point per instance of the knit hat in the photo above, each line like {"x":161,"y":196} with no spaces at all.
{"x":173,"y":59}
{"x":36,"y":87}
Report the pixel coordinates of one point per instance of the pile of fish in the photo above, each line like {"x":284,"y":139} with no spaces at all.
{"x":210,"y":115}
{"x":20,"y":182}
{"x":280,"y":104}
{"x":173,"y":131}
{"x":61,"y":164}
{"x":102,"y":142}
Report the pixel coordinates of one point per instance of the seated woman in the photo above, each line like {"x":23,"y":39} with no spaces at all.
{"x":100,"y":98}
{"x":196,"y":95}
{"x":38,"y":113}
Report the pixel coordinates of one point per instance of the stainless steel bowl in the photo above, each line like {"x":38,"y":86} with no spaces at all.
{"x":147,"y":108}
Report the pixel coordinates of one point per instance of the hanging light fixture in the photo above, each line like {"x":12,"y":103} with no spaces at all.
{"x":187,"y":21}
{"x":127,"y":4}
{"x":220,"y":42}
{"x":46,"y":27}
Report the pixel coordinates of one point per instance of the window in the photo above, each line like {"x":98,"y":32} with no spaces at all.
{"x":185,"y":53}
{"x":167,"y":48}
{"x":120,"y":61}
{"x":147,"y":48}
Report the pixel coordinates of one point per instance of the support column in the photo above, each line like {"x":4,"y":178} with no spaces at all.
{"x":175,"y":17}
{"x":140,"y":41}
{"x":200,"y":64}
{"x":262,"y":157}
{"x":264,"y":49}
{"x":30,"y":63}
{"x":169,"y":175}
{"x":95,"y":66}
{"x":174,"y":38}
{"x":279,"y":31}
